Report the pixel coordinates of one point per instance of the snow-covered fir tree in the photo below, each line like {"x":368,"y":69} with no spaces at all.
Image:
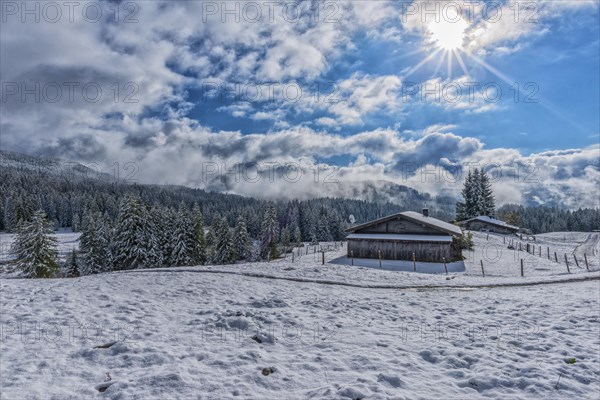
{"x":72,"y":269}
{"x":132,"y":235}
{"x":323,"y":224}
{"x":488,"y":203}
{"x":183,"y":240}
{"x":268,"y":244}
{"x":242,"y":242}
{"x":94,"y":245}
{"x":285,"y":236}
{"x":465,"y":209}
{"x":224,"y":248}
{"x":168,"y":218}
{"x":35,"y":248}
{"x":211,"y":239}
{"x":478,"y":196}
{"x":158,"y":250}
{"x":199,"y":238}
{"x":297,"y":236}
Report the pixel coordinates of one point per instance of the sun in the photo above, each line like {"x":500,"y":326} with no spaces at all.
{"x":447,"y":35}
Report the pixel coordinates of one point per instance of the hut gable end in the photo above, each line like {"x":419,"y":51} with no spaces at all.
{"x":404,"y":236}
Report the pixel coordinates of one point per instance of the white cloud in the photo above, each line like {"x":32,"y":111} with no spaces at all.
{"x":169,"y":51}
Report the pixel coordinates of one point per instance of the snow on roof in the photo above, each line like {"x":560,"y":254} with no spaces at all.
{"x":415,"y":217}
{"x":400,"y":237}
{"x":493,"y":221}
{"x":433,"y":222}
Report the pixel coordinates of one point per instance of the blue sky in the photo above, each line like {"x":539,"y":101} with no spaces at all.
{"x":371,"y":63}
{"x":562,"y":65}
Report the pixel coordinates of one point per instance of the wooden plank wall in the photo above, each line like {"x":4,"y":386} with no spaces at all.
{"x":402,"y":250}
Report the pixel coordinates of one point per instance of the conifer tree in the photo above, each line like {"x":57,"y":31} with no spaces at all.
{"x":182,"y":240}
{"x":268,"y":245}
{"x":157,"y":256}
{"x":211,"y":242}
{"x":297,"y":236}
{"x":35,"y":249}
{"x":285,"y":236}
{"x":132,"y":233}
{"x":242,"y":242}
{"x":94,"y":245}
{"x":488,"y":203}
{"x":224,"y":249}
{"x":73,"y":265}
{"x":476,"y":199}
{"x":168,"y":225}
{"x":199,"y":239}
{"x":464,"y":209}
{"x":478,"y":196}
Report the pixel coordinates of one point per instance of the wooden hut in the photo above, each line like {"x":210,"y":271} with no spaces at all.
{"x":489,"y":224}
{"x":398,"y":236}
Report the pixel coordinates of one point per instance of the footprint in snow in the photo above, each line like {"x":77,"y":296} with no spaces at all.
{"x":101,"y":387}
{"x":105,"y":345}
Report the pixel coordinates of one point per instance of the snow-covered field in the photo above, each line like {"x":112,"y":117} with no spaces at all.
{"x":187,"y":335}
{"x":319,"y":331}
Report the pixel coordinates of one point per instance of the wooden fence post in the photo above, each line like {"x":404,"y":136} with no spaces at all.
{"x":555,"y":257}
{"x":504,"y":239}
{"x":522,"y":271}
{"x":548,"y":248}
{"x":323,"y":255}
{"x":379,"y":258}
{"x":292,"y":256}
{"x":445,"y":266}
{"x":576,"y":262}
{"x":540,"y":251}
{"x":414,"y":263}
{"x":482,"y":271}
{"x":567,"y":262}
{"x":352,"y":256}
{"x":587,"y":267}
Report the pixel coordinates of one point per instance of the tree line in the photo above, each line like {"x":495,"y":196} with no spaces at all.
{"x":478,"y":200}
{"x":540,"y":219}
{"x":146,"y":236}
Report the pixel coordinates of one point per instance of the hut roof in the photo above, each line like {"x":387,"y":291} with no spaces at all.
{"x":413,"y":217}
{"x":400,"y":237}
{"x":491,"y":220}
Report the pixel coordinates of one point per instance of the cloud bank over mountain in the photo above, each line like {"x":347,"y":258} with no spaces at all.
{"x":316,"y":99}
